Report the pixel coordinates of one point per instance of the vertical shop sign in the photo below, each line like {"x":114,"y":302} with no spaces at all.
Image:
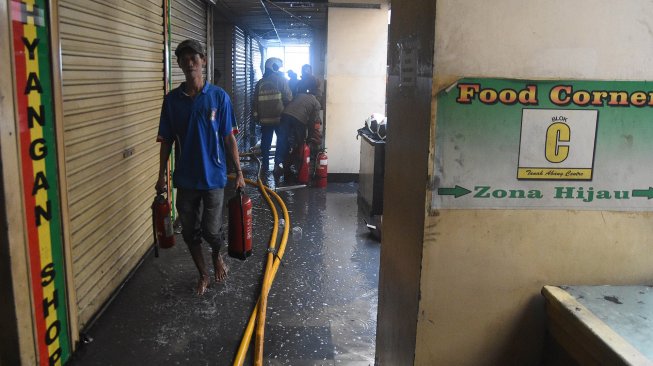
{"x":31,"y":42}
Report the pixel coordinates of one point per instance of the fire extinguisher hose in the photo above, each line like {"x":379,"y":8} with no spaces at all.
{"x":274,"y":257}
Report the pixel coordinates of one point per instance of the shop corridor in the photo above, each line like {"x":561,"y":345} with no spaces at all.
{"x":322,"y":307}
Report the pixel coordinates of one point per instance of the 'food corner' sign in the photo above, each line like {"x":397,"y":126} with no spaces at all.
{"x":544,"y":144}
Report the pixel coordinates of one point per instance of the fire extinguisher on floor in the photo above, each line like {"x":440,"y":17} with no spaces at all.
{"x":302,"y":175}
{"x":321,"y":163}
{"x":164,"y":235}
{"x":240,"y":225}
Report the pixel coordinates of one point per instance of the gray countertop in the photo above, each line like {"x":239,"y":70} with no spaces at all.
{"x":628,"y":310}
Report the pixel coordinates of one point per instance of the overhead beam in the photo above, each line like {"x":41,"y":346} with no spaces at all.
{"x":331,"y":5}
{"x":229,"y":14}
{"x":290,"y":14}
{"x":353,"y":6}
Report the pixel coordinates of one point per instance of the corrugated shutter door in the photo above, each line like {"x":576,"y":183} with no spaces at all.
{"x":256,"y":62}
{"x":113,"y":86}
{"x":255,"y":76}
{"x":188,"y":19}
{"x":223,"y":35}
{"x":240,"y":80}
{"x":220,"y":54}
{"x":249,"y":93}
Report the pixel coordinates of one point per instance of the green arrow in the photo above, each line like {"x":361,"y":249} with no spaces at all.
{"x":456,"y":192}
{"x":643,"y":192}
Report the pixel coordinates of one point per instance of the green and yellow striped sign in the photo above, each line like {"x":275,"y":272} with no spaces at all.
{"x":31,"y":41}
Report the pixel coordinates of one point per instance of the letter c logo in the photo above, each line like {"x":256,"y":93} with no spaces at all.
{"x":556,"y":133}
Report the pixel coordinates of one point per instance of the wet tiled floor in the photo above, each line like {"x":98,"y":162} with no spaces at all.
{"x":321,"y":309}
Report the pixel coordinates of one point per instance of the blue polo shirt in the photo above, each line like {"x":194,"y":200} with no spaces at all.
{"x":197,"y":127}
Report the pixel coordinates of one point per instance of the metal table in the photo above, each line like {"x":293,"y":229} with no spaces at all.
{"x":602,"y":325}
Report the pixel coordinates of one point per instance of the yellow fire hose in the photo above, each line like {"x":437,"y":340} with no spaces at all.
{"x":272,"y":265}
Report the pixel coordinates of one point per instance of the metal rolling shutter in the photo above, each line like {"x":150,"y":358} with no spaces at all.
{"x":223,"y":40}
{"x":220,"y":50}
{"x":239,"y":94}
{"x":249,"y":93}
{"x":256,"y":62}
{"x":238,"y":57}
{"x":255,"y":75}
{"x":188,"y":19}
{"x":113,"y":86}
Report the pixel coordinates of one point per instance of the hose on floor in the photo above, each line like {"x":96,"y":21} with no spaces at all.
{"x":274,"y":257}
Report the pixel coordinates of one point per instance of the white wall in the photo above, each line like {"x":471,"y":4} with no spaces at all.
{"x":480,"y":301}
{"x":355,"y":79}
{"x":585,"y":39}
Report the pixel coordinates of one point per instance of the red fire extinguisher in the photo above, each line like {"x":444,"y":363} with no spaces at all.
{"x":302,"y":175}
{"x":321,"y":169}
{"x":164,"y":235}
{"x":240,"y":225}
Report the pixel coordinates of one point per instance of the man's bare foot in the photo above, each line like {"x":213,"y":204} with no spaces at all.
{"x":220,"y":268}
{"x":203,"y":285}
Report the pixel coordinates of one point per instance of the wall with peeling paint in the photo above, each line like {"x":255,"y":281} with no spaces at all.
{"x":482,"y":270}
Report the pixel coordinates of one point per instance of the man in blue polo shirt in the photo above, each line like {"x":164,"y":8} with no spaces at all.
{"x":198,"y":119}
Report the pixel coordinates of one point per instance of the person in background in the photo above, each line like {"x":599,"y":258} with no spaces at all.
{"x":299,"y":115}
{"x":309,"y":83}
{"x":197,"y":118}
{"x":271,"y":95}
{"x":292,"y":82}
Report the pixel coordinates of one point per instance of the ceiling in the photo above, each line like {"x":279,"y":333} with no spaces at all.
{"x":277,"y":23}
{"x":281,"y":22}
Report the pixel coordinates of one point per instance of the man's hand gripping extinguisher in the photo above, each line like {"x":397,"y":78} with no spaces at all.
{"x":240,"y":225}
{"x":164,"y":235}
